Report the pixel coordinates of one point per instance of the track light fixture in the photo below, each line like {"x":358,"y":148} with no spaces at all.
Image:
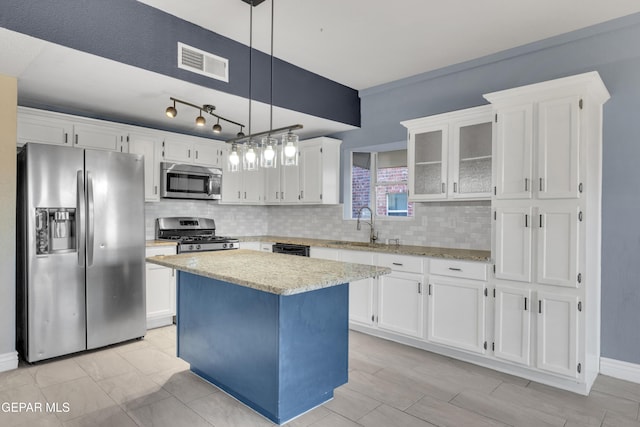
{"x":200,"y":120}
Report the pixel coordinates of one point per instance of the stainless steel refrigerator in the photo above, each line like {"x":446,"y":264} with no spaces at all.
{"x":81,"y":250}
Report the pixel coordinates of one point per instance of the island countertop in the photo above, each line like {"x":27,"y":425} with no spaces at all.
{"x":280,"y":274}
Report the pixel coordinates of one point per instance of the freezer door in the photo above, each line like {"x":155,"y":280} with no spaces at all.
{"x":115,"y":260}
{"x":51,"y":290}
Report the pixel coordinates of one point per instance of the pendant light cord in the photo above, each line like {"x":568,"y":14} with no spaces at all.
{"x":250,"y":60}
{"x":271,"y":91}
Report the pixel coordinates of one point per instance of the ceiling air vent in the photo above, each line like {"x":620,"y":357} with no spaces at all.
{"x":201,"y":62}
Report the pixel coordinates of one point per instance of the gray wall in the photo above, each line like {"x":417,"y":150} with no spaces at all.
{"x":612,"y":49}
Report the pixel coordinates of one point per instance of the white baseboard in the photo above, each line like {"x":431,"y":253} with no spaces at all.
{"x":619,"y":369}
{"x":8,"y":361}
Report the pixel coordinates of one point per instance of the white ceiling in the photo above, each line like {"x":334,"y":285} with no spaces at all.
{"x":364,"y":43}
{"x":359,"y":43}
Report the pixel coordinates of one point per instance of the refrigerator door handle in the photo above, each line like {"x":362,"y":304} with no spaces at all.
{"x":80,"y":222}
{"x":90,"y":220}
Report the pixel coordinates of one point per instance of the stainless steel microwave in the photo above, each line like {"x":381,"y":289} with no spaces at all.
{"x":178,"y":181}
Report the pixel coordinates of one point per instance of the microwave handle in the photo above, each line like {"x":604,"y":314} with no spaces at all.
{"x":210,"y":186}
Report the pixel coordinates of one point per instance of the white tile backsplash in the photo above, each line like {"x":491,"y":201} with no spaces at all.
{"x":464,"y":225}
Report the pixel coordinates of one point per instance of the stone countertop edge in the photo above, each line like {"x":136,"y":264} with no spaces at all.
{"x":280,"y":274}
{"x":153,"y":243}
{"x":426,"y":251}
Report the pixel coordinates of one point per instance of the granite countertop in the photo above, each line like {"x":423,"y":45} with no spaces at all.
{"x":280,"y":274}
{"x":427,"y":251}
{"x":152,"y":243}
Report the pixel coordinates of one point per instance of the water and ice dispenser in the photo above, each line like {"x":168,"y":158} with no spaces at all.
{"x":55,"y":230}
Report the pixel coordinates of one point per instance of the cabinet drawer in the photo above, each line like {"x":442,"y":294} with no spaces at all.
{"x":160,"y":250}
{"x":462,"y":269}
{"x":409,"y":264}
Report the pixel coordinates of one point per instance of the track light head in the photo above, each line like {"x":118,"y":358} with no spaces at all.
{"x":171,"y":111}
{"x":217,"y":128}
{"x":200,"y":121}
{"x":240,"y":134}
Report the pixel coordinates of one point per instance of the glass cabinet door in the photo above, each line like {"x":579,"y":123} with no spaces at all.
{"x":472,"y":160}
{"x":429,"y":177}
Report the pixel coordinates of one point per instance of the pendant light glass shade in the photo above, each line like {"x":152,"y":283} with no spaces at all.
{"x":233,"y":159}
{"x":269,"y":146}
{"x":251,"y":157}
{"x":290,"y":149}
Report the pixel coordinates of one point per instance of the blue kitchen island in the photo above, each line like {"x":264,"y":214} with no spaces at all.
{"x":269,"y":329}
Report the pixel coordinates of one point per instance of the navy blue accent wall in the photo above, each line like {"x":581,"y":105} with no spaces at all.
{"x":612,"y":49}
{"x":135,"y":34}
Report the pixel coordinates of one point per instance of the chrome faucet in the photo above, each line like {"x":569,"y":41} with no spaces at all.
{"x":373,"y":235}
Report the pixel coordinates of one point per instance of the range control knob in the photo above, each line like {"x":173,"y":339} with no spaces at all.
{"x":224,"y":245}
{"x":190,"y":247}
{"x":198,"y":247}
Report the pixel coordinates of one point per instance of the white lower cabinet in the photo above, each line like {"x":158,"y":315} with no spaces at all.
{"x":401,"y":303}
{"x":361,"y":292}
{"x":161,"y":289}
{"x":325,"y":253}
{"x":457,"y":313}
{"x":512,"y":339}
{"x":558,"y":333}
{"x":392,"y":303}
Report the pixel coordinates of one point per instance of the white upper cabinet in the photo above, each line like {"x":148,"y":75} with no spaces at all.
{"x":193,"y":151}
{"x":99,"y":137}
{"x":231,"y":182}
{"x":282,"y":183}
{"x":149,"y":146}
{"x":449,"y":155}
{"x":552,"y":127}
{"x":319,"y":170}
{"x":54,"y":128}
{"x":514,"y":142}
{"x":427,"y":157}
{"x":177,"y":150}
{"x":43,"y":127}
{"x":558,"y":148}
{"x":541,"y":131}
{"x":471,"y":159}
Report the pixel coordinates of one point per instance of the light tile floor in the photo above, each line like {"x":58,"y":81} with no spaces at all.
{"x":142,"y":383}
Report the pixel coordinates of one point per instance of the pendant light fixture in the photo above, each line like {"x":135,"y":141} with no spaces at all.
{"x":265,"y":153}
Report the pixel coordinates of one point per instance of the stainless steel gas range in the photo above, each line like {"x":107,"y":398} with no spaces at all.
{"x":193,"y":234}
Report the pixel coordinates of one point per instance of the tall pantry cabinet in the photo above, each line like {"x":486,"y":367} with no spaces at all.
{"x":547,"y":214}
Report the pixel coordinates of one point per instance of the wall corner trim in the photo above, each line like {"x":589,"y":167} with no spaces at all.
{"x":8,"y":361}
{"x":619,"y":369}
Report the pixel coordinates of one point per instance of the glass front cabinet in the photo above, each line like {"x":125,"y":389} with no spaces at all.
{"x":449,"y":155}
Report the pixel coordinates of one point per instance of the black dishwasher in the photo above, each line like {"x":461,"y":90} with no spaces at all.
{"x":291,"y":249}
